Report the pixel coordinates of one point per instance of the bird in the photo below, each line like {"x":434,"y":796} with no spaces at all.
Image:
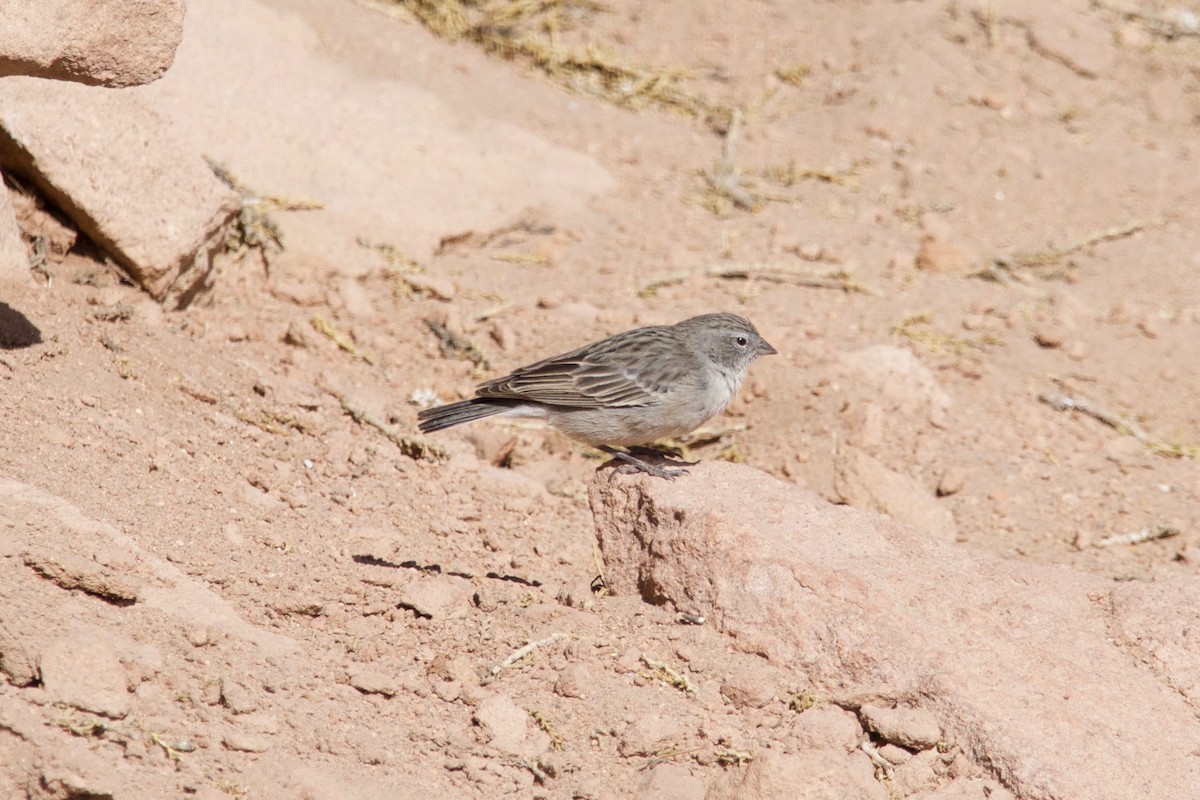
{"x":628,"y":390}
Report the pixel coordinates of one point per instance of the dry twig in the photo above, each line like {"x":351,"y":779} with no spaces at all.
{"x":779,"y":273}
{"x":518,"y":654}
{"x":1123,"y":425}
{"x":412,"y":446}
{"x":1137,"y":537}
{"x":668,"y":675}
{"x":1004,"y":264}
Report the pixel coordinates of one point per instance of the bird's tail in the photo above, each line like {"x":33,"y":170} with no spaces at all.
{"x":447,"y":416}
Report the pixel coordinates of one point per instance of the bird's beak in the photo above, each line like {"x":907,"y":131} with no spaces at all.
{"x":765,"y":349}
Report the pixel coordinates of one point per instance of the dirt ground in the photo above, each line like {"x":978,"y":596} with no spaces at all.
{"x":947,"y":217}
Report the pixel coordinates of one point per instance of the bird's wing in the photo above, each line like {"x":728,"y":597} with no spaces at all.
{"x":612,"y":373}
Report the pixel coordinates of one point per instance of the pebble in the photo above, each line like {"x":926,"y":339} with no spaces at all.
{"x":246,"y":742}
{"x":440,"y":288}
{"x":914,"y":728}
{"x":373,"y":682}
{"x":236,"y":697}
{"x":84,"y":671}
{"x":751,"y":687}
{"x":952,"y":482}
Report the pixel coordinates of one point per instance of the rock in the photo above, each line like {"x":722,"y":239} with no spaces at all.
{"x":355,"y":298}
{"x":938,"y":255}
{"x":441,"y":288}
{"x":863,"y":482}
{"x":751,"y":687}
{"x":83,"y":671}
{"x":649,"y":734}
{"x":810,"y":775}
{"x":474,"y":174}
{"x":71,"y":571}
{"x":236,"y":697}
{"x":503,"y":724}
{"x":113,"y":164}
{"x":827,"y":727}
{"x":1160,"y":623}
{"x":1050,"y":336}
{"x":914,"y":728}
{"x":437,"y":596}
{"x":920,"y":773}
{"x":97,"y":42}
{"x":574,"y":680}
{"x":671,"y":782}
{"x":851,"y":599}
{"x":17,"y":660}
{"x":72,"y":770}
{"x":14,"y":258}
{"x":894,"y":378}
{"x":952,"y":482}
{"x":246,"y":742}
{"x":373,"y":682}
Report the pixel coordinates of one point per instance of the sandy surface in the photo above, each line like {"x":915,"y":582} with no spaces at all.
{"x":258,"y":596}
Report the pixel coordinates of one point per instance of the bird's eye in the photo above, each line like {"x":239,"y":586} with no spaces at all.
{"x":742,"y":341}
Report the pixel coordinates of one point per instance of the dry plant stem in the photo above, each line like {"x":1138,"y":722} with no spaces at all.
{"x":724,"y":178}
{"x":326,"y":329}
{"x":412,"y":446}
{"x":1137,"y":537}
{"x":451,"y":345}
{"x":1055,"y":253}
{"x":1156,"y":26}
{"x":538,"y":775}
{"x":513,"y":31}
{"x":520,"y":653}
{"x":669,"y":676}
{"x":779,"y":273}
{"x":1062,"y":402}
{"x":881,"y":763}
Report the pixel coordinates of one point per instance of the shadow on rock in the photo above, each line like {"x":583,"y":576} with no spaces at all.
{"x":16,"y":331}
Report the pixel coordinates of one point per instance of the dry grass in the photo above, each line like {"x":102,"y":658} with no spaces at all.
{"x":528,"y":31}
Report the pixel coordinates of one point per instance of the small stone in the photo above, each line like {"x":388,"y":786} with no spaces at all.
{"x":648,"y":734}
{"x":355,"y":298}
{"x":827,"y":727}
{"x":937,"y":255}
{"x":502,"y":723}
{"x":84,"y":671}
{"x":447,"y":691}
{"x":914,"y":728}
{"x":197,"y":635}
{"x":236,"y":697}
{"x":246,"y":742}
{"x":440,"y":288}
{"x":894,"y":754}
{"x":1049,"y":337}
{"x":973,"y":322}
{"x":672,"y":782}
{"x":573,"y":681}
{"x":952,"y":482}
{"x":751,"y":687}
{"x":296,"y":335}
{"x":372,"y":682}
{"x":437,"y":596}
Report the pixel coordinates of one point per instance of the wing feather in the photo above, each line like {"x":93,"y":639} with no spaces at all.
{"x":626,"y":370}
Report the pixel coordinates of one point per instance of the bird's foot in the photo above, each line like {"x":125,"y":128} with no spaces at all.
{"x":669,"y":453}
{"x":632,"y":464}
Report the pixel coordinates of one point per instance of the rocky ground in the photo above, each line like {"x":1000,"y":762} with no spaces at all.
{"x":231,"y":568}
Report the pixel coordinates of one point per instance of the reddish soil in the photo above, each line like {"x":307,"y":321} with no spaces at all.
{"x":319,"y":614}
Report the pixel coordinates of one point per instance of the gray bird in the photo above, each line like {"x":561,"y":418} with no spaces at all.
{"x":630,"y":389}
